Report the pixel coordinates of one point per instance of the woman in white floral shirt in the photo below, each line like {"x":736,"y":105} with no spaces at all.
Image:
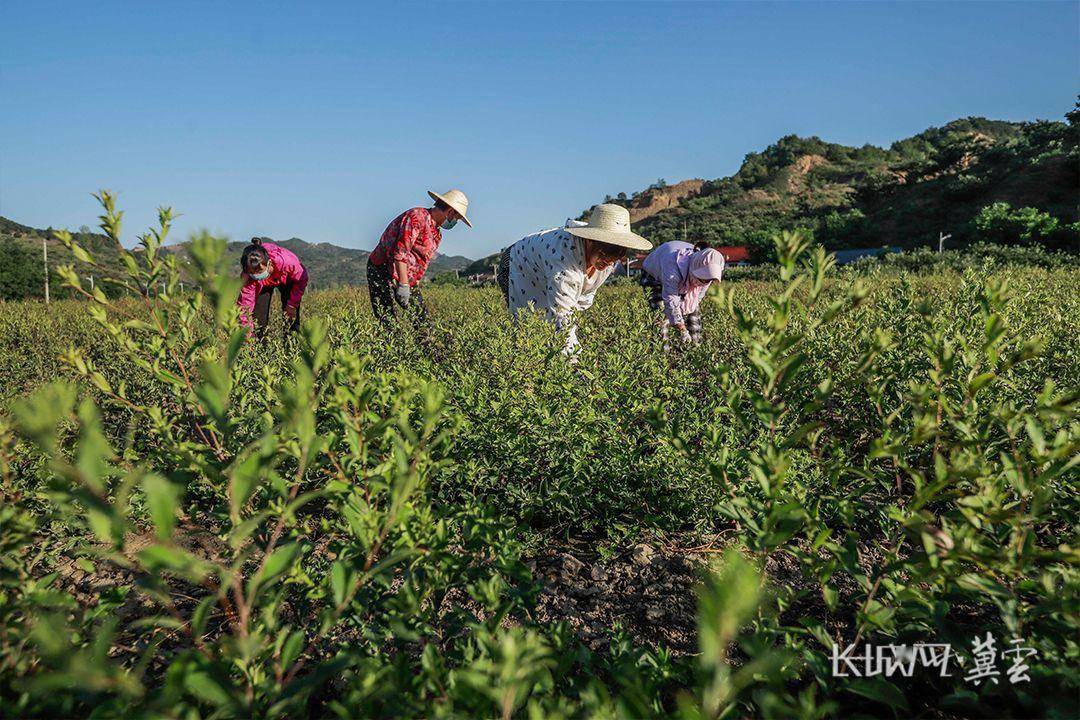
{"x":558,"y":271}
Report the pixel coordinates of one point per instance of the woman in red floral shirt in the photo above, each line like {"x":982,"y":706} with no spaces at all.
{"x":398,"y":263}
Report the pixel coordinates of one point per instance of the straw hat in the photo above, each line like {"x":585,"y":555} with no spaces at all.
{"x":455,"y":199}
{"x":610,"y":223}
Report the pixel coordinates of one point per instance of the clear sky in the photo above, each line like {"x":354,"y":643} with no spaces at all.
{"x":323,"y":120}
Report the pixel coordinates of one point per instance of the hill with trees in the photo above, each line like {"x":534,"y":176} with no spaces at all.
{"x":22,"y":270}
{"x":979,"y":180}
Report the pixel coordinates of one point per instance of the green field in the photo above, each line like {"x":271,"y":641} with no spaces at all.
{"x":351,"y":524}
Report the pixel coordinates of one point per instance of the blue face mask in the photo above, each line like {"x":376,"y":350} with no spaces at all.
{"x":261,"y":276}
{"x":448,"y":224}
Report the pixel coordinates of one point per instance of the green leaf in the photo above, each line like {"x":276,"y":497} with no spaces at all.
{"x":243,"y":531}
{"x":243,"y":479}
{"x":208,"y":688}
{"x":982,"y":585}
{"x":831,"y":597}
{"x":726,"y":599}
{"x":279,"y":562}
{"x":339,"y":581}
{"x":80,"y":253}
{"x":158,"y":558}
{"x":292,"y":649}
{"x":38,"y":417}
{"x":213,"y":393}
{"x":51,"y":635}
{"x":236,"y":341}
{"x":93,"y":455}
{"x":1036,"y":434}
{"x":201,"y":614}
{"x":979,"y":382}
{"x":161,"y":500}
{"x":246,"y":473}
{"x":878,"y":690}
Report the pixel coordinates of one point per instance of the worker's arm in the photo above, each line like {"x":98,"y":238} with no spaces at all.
{"x":402,"y":269}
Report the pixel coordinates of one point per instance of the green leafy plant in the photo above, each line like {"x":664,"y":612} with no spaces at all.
{"x":338,"y":523}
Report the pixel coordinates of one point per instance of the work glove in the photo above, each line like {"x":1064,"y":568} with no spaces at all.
{"x":402,"y":294}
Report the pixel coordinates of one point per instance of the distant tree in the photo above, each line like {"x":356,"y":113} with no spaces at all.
{"x":1001,"y":224}
{"x":754,"y":170}
{"x":843,"y":229}
{"x":21,"y":272}
{"x":621,"y":196}
{"x":1072,"y":136}
{"x":965,"y":186}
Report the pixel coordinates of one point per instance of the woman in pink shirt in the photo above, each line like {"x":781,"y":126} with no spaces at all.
{"x":266,"y":266}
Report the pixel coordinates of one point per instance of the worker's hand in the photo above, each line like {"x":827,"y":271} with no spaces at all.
{"x":684,"y":335}
{"x":290,"y":313}
{"x":402,"y":293}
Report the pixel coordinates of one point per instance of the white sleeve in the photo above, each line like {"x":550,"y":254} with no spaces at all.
{"x":564,"y":292}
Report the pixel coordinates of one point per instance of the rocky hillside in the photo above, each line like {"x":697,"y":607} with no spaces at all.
{"x":659,"y":198}
{"x":937,"y":181}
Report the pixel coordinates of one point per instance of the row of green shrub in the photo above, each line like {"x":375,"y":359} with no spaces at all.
{"x":335,"y":523}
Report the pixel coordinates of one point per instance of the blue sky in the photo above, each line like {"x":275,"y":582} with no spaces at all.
{"x":325,"y":120}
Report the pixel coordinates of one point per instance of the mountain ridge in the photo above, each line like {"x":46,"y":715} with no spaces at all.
{"x":329,"y":265}
{"x":902,"y":196}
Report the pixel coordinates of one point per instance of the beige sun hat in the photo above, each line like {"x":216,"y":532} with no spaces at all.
{"x":610,"y":224}
{"x":455,"y":199}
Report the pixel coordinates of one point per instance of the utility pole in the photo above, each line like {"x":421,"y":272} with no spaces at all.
{"x":942,"y":237}
{"x":684,"y":231}
{"x":45,"y":255}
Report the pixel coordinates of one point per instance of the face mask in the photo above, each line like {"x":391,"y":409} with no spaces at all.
{"x":261,"y":276}
{"x":448,"y":224}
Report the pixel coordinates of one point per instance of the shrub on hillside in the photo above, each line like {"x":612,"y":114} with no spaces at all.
{"x":999,"y":223}
{"x":21,"y":274}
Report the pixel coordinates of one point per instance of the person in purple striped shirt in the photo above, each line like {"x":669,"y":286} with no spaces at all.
{"x":675,"y":278}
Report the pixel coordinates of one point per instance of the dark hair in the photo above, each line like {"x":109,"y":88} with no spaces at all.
{"x":440,"y":205}
{"x":254,"y":254}
{"x":608,"y":250}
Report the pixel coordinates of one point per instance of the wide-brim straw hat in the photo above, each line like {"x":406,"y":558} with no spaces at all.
{"x":455,"y":199}
{"x":609,"y":223}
